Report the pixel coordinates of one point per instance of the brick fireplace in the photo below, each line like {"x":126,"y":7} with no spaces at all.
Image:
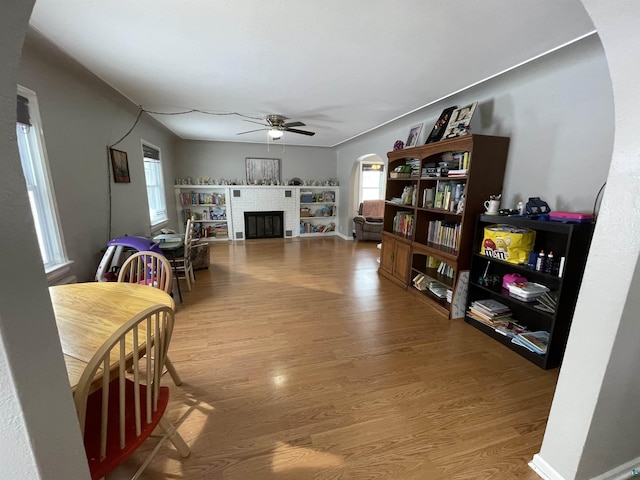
{"x":253,"y":199}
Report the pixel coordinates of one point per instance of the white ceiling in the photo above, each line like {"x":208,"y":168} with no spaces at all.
{"x":341,"y":67}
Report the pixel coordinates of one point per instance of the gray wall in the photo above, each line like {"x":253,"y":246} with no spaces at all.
{"x":227,"y":160}
{"x":39,"y":433}
{"x":558,"y":112}
{"x":81,"y":115}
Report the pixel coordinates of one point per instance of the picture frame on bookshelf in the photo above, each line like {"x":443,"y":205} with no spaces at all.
{"x":414,"y":135}
{"x":441,"y":125}
{"x":120,"y":166}
{"x":459,"y":122}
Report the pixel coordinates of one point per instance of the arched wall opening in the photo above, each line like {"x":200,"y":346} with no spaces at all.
{"x":356,"y":182}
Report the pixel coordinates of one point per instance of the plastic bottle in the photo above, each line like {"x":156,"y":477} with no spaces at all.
{"x":540,"y":262}
{"x":548,"y":267}
{"x":520,"y":207}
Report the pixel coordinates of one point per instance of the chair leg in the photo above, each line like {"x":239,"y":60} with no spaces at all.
{"x":187,"y":277}
{"x":174,"y":437}
{"x":173,"y":372}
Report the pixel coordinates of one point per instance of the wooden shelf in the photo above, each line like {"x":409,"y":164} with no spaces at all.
{"x":487,"y":160}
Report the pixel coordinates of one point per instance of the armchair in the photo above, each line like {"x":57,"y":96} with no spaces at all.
{"x":369,"y":221}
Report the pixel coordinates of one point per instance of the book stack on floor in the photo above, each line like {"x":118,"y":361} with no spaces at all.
{"x":537,"y":342}
{"x":490,"y":312}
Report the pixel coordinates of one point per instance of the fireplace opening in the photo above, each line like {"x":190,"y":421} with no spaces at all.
{"x":263,"y":225}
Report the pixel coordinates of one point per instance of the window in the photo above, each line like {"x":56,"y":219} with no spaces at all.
{"x":35,"y":167}
{"x":155,"y":185}
{"x":371,"y":181}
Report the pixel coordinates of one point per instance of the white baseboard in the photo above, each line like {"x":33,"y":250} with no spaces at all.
{"x":543,"y":469}
{"x":622,"y":472}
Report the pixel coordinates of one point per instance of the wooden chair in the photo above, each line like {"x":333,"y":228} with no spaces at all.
{"x":153,"y":269}
{"x":120,"y":413}
{"x":147,"y":268}
{"x":184,"y":267}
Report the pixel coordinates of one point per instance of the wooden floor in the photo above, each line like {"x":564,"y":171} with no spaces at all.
{"x":300,"y":362}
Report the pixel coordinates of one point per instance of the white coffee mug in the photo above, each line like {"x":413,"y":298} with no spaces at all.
{"x":492,"y":206}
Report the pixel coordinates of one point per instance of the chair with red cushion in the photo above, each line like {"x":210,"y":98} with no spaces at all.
{"x":118,"y":412}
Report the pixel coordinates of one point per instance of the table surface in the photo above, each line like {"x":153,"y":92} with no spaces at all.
{"x":87,"y":314}
{"x":169,"y":241}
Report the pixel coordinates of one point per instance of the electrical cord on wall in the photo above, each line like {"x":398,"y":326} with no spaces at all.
{"x":595,"y":203}
{"x":142,"y":110}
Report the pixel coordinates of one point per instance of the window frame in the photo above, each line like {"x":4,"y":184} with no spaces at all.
{"x":164,"y":219}
{"x":41,"y":191}
{"x":381,"y":183}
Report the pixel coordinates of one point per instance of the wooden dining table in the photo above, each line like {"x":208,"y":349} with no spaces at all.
{"x":87,"y":314}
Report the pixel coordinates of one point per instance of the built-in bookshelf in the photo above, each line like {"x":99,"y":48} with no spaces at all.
{"x":318,"y":210}
{"x":206,"y":205}
{"x":434,"y":193}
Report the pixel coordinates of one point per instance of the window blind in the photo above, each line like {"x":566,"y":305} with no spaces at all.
{"x":22,"y":112}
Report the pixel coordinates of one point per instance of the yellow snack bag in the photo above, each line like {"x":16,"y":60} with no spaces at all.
{"x":508,"y":243}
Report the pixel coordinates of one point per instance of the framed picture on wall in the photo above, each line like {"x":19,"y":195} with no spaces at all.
{"x":119,"y":166}
{"x":263,"y":171}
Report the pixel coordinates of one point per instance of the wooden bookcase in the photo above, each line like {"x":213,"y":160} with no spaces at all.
{"x":568,"y":240}
{"x":404,"y":255}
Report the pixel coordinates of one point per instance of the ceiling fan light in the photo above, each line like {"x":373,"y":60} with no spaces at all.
{"x":275,"y":134}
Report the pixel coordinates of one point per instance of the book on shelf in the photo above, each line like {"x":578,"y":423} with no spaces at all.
{"x":428,"y":194}
{"x":535,"y":341}
{"x":491,"y":306}
{"x":446,"y":270}
{"x":443,"y":233}
{"x":493,"y":323}
{"x":403,"y":224}
{"x":437,"y":289}
{"x":510,"y":330}
{"x":547,"y":302}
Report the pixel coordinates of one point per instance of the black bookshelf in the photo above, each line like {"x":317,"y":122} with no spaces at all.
{"x":569,"y":240}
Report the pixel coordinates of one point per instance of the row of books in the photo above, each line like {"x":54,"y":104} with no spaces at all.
{"x":403,"y":224}
{"x":414,"y":163}
{"x":446,"y":270}
{"x":442,"y":268}
{"x":499,"y":317}
{"x":458,"y":159}
{"x":443,"y":233}
{"x":307,"y":227}
{"x":193,"y":198}
{"x":210,"y":231}
{"x":207,"y":214}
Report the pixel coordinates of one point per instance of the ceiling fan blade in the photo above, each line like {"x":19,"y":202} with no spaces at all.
{"x":259,"y":123}
{"x":303,"y":132}
{"x":294,"y":124}
{"x":251,"y":131}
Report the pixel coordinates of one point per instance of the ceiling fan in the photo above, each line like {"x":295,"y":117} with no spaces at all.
{"x":276,"y":127}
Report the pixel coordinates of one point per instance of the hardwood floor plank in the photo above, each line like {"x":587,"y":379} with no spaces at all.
{"x":300,"y":362}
